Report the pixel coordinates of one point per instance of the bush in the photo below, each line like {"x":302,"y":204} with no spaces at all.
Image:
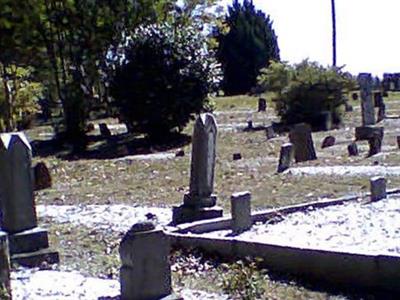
{"x":164,"y":74}
{"x":248,"y":45}
{"x":305,"y":90}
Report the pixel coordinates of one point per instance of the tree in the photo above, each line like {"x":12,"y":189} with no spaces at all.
{"x":333,"y":12}
{"x":164,"y":74}
{"x":248,"y":46}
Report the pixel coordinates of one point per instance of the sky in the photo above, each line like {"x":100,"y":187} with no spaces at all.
{"x":368,"y":32}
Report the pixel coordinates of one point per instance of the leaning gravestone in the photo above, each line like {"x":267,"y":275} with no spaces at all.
{"x":28,"y":243}
{"x":301,"y":138}
{"x":145,"y":273}
{"x":199,"y":203}
{"x":367,"y":103}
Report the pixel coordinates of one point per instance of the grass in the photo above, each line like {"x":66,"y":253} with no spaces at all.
{"x":163,"y":183}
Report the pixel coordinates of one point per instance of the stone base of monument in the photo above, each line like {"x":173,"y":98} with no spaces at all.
{"x":30,"y":248}
{"x":185,"y":214}
{"x":367,"y":132}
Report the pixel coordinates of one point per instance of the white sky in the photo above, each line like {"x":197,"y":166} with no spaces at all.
{"x":368,"y":32}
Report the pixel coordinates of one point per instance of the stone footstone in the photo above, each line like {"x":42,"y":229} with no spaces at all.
{"x":367,"y":103}
{"x":352,"y":149}
{"x":378,"y":188}
{"x":301,"y":138}
{"x":241,"y":212}
{"x":145,"y":272}
{"x":5,"y":286}
{"x":285,"y":157}
{"x":328,"y":141}
{"x":200,"y":201}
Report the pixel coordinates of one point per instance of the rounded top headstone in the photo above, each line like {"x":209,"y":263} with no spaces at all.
{"x":141,"y":227}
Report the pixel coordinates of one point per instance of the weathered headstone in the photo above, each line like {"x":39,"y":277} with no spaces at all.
{"x":145,"y":272}
{"x":5,"y":287}
{"x":28,"y":244}
{"x":269,"y":132}
{"x":199,"y":202}
{"x":262,"y":104}
{"x":285,"y":157}
{"x":104,"y":131}
{"x":367,"y":104}
{"x":237,"y":156}
{"x":301,"y":138}
{"x":352,"y":149}
{"x":328,"y":141}
{"x":378,"y":188}
{"x":42,"y":177}
{"x":241,"y":212}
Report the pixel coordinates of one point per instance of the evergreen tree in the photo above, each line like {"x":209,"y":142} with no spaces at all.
{"x":247,"y":46}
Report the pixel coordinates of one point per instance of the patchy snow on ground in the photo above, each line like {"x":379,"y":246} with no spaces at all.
{"x":55,"y":285}
{"x":150,"y":156}
{"x":118,"y":218}
{"x":372,"y":228}
{"x":351,"y":171}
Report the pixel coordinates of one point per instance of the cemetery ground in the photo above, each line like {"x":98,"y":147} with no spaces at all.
{"x":159,"y":178}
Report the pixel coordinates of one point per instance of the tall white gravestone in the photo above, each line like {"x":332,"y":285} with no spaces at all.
{"x":199,"y":202}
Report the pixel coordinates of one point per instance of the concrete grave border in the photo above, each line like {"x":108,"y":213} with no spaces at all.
{"x":370,"y":272}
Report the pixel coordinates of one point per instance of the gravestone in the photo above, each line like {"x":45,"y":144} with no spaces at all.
{"x":104,"y":131}
{"x":324,"y":120}
{"x":301,"y":138}
{"x":145,"y":272}
{"x":5,"y":286}
{"x":328,"y":141}
{"x":241,"y":212}
{"x":249,"y":124}
{"x":367,"y":104}
{"x":352,"y":149}
{"x":42,"y":177}
{"x":378,"y":188}
{"x":285,"y":157}
{"x":398,"y":141}
{"x":199,"y":203}
{"x":262,"y":104}
{"x":28,"y":243}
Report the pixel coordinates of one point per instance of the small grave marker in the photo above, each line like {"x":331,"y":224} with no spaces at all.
{"x":262,"y":104}
{"x":378,"y":188}
{"x":301,"y":138}
{"x":241,"y":212}
{"x":328,"y":141}
{"x":285,"y":157}
{"x":352,"y":149}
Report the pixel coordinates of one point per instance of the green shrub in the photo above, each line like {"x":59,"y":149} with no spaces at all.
{"x":164,"y":75}
{"x":247,"y":45}
{"x":305,"y":90}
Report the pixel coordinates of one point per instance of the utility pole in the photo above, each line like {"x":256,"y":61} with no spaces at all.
{"x":333,"y":33}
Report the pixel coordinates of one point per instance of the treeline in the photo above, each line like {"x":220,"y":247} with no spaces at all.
{"x":152,"y":61}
